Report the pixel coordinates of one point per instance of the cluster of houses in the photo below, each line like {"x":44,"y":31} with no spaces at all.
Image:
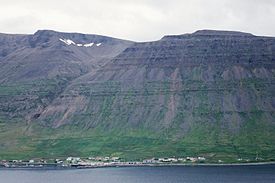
{"x":174,"y":160}
{"x":118,"y":161}
{"x":90,"y":161}
{"x":96,"y":162}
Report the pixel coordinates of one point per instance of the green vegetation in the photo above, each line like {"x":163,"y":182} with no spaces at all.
{"x":21,"y":142}
{"x":191,"y":95}
{"x":130,"y":124}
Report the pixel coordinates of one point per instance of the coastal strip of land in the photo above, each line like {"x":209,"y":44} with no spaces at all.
{"x":104,"y":162}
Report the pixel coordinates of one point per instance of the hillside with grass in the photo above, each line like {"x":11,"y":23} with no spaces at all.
{"x":210,"y":93}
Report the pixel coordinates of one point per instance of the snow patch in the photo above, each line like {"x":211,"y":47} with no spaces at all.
{"x":70,"y":42}
{"x":88,"y":45}
{"x":67,"y":41}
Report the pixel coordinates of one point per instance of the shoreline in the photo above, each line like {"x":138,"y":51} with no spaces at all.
{"x":133,"y":166}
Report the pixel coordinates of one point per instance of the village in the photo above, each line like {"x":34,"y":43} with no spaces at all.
{"x":96,"y":162}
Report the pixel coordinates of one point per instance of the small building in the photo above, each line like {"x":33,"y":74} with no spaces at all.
{"x":148,"y":161}
{"x":192,"y":159}
{"x":69,"y":159}
{"x":174,"y":160}
{"x":201,"y":158}
{"x":115,"y":158}
{"x":58,"y":161}
{"x":31,"y":161}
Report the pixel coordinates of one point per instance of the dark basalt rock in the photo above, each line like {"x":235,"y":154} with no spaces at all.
{"x":40,"y":66}
{"x":176,"y":82}
{"x":208,"y":93}
{"x":208,"y":77}
{"x":210,"y":34}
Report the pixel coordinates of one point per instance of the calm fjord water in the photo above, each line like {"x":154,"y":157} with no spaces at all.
{"x":229,"y":174}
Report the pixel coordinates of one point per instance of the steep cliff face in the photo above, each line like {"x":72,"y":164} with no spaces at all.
{"x":34,"y":69}
{"x":192,"y":94}
{"x":224,"y":79}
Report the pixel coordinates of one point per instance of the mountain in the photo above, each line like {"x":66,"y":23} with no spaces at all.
{"x":34,"y":69}
{"x":208,"y":93}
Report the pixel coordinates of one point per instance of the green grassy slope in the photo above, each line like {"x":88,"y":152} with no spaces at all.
{"x":19,"y":141}
{"x":205,"y":94}
{"x":216,"y":139}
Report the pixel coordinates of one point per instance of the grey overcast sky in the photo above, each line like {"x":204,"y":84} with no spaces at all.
{"x":138,"y":20}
